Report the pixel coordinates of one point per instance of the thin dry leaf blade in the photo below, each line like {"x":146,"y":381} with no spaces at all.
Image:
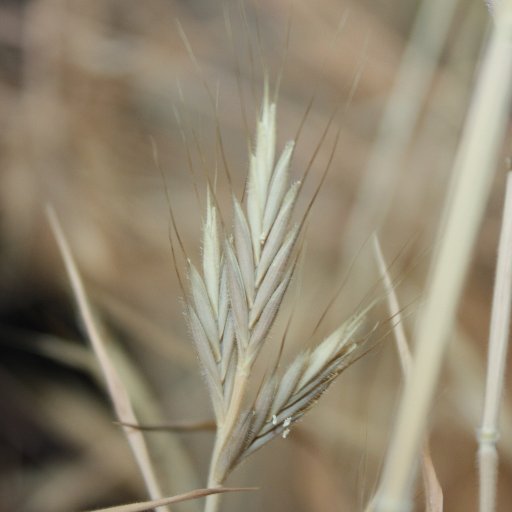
{"x":192,"y":495}
{"x":116,"y":388}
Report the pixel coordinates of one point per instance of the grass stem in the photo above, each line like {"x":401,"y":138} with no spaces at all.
{"x":474,"y":170}
{"x":116,"y":388}
{"x":498,"y":345}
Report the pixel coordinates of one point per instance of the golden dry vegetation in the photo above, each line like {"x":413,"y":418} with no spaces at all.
{"x":89,"y":92}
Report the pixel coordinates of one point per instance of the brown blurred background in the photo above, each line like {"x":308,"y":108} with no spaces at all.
{"x":88,"y":90}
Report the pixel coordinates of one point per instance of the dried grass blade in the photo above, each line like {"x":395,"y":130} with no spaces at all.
{"x":433,"y":490}
{"x":473,"y":172}
{"x":434,"y":498}
{"x":175,"y":426}
{"x":116,"y":388}
{"x":497,"y":360}
{"x":192,"y":495}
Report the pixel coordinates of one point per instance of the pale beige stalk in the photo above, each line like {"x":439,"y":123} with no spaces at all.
{"x":398,"y":121}
{"x":474,"y":170}
{"x":224,"y":432}
{"x":192,"y":495}
{"x":116,"y":388}
{"x":498,"y":345}
{"x":433,"y":490}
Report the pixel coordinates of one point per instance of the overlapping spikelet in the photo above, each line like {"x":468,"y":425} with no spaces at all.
{"x":234,"y":303}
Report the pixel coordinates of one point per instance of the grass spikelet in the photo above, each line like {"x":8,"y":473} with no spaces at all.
{"x":233,"y":306}
{"x":212,"y":254}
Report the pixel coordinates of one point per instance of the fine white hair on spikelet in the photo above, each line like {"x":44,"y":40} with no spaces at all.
{"x":233,"y":304}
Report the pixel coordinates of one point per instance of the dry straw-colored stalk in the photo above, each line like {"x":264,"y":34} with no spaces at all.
{"x":116,"y":388}
{"x":474,"y":170}
{"x":192,"y":495}
{"x":433,"y":490}
{"x":396,"y":127}
{"x":498,"y":345}
{"x":233,"y":304}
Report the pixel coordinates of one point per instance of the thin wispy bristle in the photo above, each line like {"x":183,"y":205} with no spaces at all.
{"x":234,"y":305}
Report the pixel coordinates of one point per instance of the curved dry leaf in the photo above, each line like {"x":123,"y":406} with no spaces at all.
{"x":116,"y":388}
{"x":187,"y":496}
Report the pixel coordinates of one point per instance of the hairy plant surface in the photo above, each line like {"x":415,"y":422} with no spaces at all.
{"x":233,"y":305}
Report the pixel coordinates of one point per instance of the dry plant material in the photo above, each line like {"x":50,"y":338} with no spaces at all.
{"x":433,"y":490}
{"x":192,"y":495}
{"x":116,"y":388}
{"x":233,"y":304}
{"x":473,"y":172}
{"x":498,"y":346}
{"x":396,"y":127}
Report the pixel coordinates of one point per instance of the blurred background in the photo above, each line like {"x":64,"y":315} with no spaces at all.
{"x":107,"y":116}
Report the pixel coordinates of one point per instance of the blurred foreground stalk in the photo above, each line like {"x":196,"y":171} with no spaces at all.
{"x":473,"y":173}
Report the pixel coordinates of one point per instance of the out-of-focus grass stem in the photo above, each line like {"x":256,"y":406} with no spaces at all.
{"x":498,"y":344}
{"x":116,"y":388}
{"x":433,"y":491}
{"x":474,"y":169}
{"x":399,"y":119}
